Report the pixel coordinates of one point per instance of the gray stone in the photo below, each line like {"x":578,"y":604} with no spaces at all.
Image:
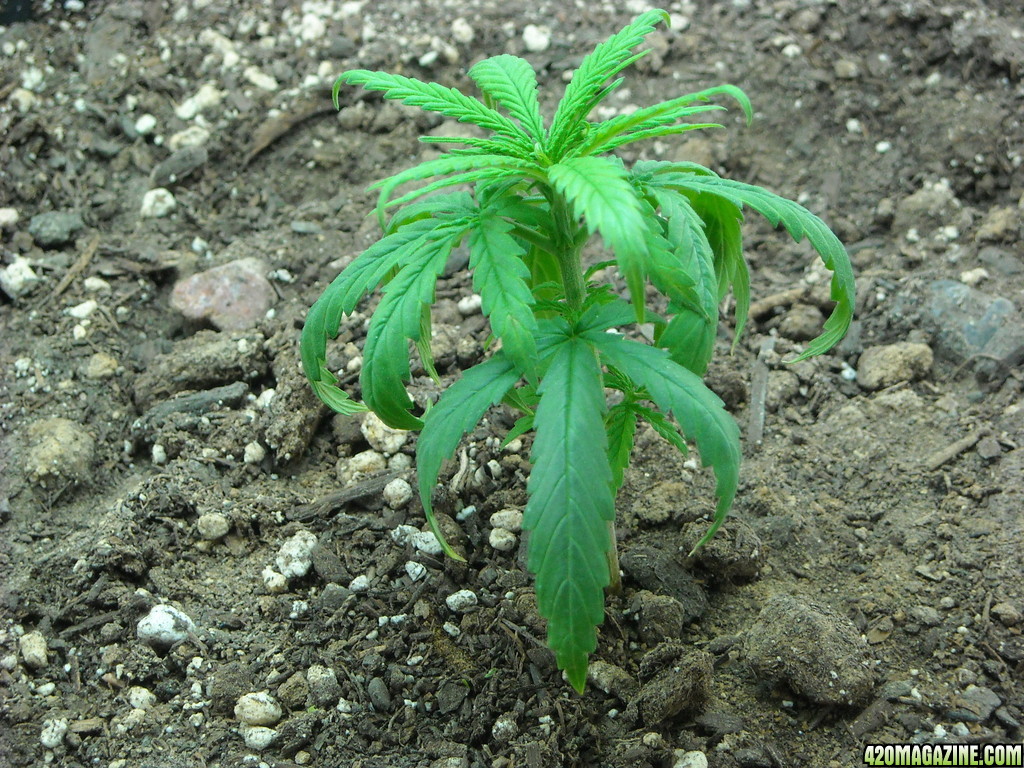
{"x":54,"y":228}
{"x":178,"y":166}
{"x":379,"y":695}
{"x":811,"y":648}
{"x":969,"y":322}
{"x":58,"y":449}
{"x":975,"y":704}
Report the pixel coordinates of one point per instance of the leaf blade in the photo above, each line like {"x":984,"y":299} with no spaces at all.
{"x":512,"y":82}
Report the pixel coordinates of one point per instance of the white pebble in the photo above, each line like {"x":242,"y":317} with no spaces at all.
{"x":260,"y":79}
{"x":157,"y":203}
{"x":509,"y":519}
{"x":403,"y":533}
{"x":792,"y":50}
{"x":451,"y":629}
{"x":17,"y":278}
{"x":274,"y":581}
{"x":23,"y":99}
{"x":427,"y":543}
{"x":83,"y":310}
{"x":45,"y":689}
{"x":360,"y":583}
{"x":33,"y":649}
{"x":257,"y":737}
{"x":53,"y":732}
{"x":295,"y":557}
{"x":397,"y":493}
{"x":213,"y":526}
{"x":95,"y":284}
{"x":380,"y":436}
{"x":313,"y":27}
{"x":502,"y":540}
{"x":207,"y":96}
{"x":882,"y":147}
{"x":692,"y":759}
{"x":193,"y":136}
{"x":461,"y":600}
{"x":164,"y":626}
{"x":462,"y":31}
{"x":158,"y":453}
{"x":415,"y":571}
{"x":145,"y":125}
{"x":8,"y":217}
{"x":258,"y":709}
{"x":254,"y":453}
{"x":536,"y":39}
{"x":470,"y":305}
{"x":141,"y":698}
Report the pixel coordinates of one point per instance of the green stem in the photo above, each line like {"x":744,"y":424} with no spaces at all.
{"x":568,"y":252}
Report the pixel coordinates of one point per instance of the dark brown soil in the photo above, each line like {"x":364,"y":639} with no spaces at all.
{"x":868,"y":588}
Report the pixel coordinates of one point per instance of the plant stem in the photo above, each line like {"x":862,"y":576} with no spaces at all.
{"x":567,"y":251}
{"x":615,"y":583}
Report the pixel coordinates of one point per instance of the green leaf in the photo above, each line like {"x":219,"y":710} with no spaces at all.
{"x":500,"y":277}
{"x":343,"y":294}
{"x":570,"y":505}
{"x":511,"y":82}
{"x":681,"y":393}
{"x":600,"y":192}
{"x":800,"y":223}
{"x":620,"y":426}
{"x":587,"y":85}
{"x":467,"y":168}
{"x":457,"y":411}
{"x":433,"y":98}
{"x":663,"y":427}
{"x":395,"y":321}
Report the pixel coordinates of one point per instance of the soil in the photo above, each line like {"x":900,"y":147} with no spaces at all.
{"x":868,"y":587}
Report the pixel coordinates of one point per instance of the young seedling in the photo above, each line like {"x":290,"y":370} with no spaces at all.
{"x":538,"y":192}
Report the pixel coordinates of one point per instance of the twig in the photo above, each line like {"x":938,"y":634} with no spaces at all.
{"x":333,"y":501}
{"x":78,"y":267}
{"x":953,"y":450}
{"x":764,"y":307}
{"x":759,"y":393}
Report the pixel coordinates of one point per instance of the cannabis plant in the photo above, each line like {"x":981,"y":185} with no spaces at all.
{"x":528,"y":199}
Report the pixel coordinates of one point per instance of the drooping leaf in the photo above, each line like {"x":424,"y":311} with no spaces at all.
{"x":458,"y":411}
{"x":570,"y":505}
{"x":600,"y":192}
{"x":500,"y":277}
{"x":512,"y":83}
{"x":365,"y":272}
{"x":396,"y":321}
{"x":432,"y":98}
{"x":660,"y":424}
{"x":681,"y":393}
{"x":588,"y":81}
{"x":800,"y":223}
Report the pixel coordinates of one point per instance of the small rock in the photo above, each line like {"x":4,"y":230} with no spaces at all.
{"x":295,"y":557}
{"x":33,"y":650}
{"x":178,"y":166}
{"x":258,"y":709}
{"x":926,"y":615}
{"x":462,"y":31}
{"x":802,"y":322}
{"x":360,"y":583}
{"x":509,"y":519}
{"x":846,"y":69}
{"x":260,"y":79}
{"x":694,"y":759}
{"x":253,"y":453}
{"x":470,"y":305}
{"x":9,"y":217}
{"x":999,"y":224}
{"x":17,"y":278}
{"x":505,"y":728}
{"x":141,"y":698}
{"x":258,"y":737}
{"x":461,"y":601}
{"x":427,"y":543}
{"x":536,"y":39}
{"x":324,"y":688}
{"x":233,"y":296}
{"x":275,"y":582}
{"x":414,"y":570}
{"x":294,"y":691}
{"x":58,"y":449}
{"x":379,"y":695}
{"x":363,"y":463}
{"x":883,"y":366}
{"x":54,"y":228}
{"x":1007,"y":614}
{"x":612,"y":679}
{"x":975,"y":704}
{"x":213,"y":526}
{"x":397,"y":493}
{"x":817,"y":652}
{"x":380,"y":436}
{"x":100,"y":366}
{"x":502,"y":540}
{"x":164,"y":626}
{"x":206,"y":97}
{"x":53,"y":732}
{"x":450,"y":695}
{"x":157,"y":203}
